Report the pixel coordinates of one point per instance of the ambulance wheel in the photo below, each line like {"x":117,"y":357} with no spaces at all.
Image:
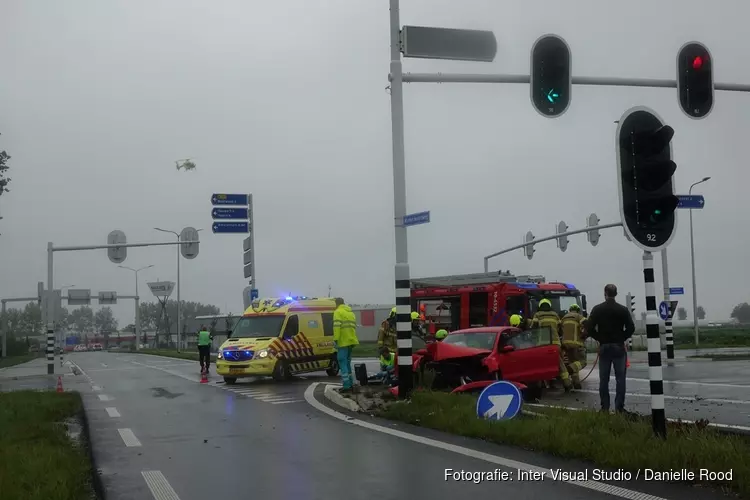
{"x":230,"y":380}
{"x":281,"y":371}
{"x":333,"y":368}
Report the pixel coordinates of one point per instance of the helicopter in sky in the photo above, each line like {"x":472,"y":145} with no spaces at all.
{"x":186,"y":164}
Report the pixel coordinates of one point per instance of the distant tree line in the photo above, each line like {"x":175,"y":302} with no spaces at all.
{"x":682,"y":313}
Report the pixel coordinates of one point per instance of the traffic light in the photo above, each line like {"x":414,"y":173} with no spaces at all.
{"x":695,"y":81}
{"x":631,"y":304}
{"x":551,"y":79}
{"x":645,"y":170}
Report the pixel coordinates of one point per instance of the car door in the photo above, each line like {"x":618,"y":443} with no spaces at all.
{"x":313,"y":341}
{"x":534,"y":357}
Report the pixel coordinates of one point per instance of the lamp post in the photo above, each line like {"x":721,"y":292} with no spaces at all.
{"x":692,"y":261}
{"x":179,"y":322}
{"x":61,"y":335}
{"x":137,"y":303}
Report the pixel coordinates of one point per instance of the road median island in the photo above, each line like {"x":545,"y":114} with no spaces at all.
{"x":44,"y":449}
{"x":609,"y":441}
{"x":17,"y":360}
{"x":170,"y":353}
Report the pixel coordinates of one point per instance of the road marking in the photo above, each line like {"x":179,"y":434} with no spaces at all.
{"x":711,"y":424}
{"x":487,"y":457}
{"x":128,"y":437}
{"x":270,"y":399}
{"x":692,"y":399}
{"x":159,"y":486}
{"x":249,"y":392}
{"x":682,"y":382}
{"x":104,"y":397}
{"x":285,"y":402}
{"x":112,"y":412}
{"x":96,"y":387}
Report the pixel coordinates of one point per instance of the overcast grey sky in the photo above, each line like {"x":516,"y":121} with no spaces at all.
{"x":286,"y":100}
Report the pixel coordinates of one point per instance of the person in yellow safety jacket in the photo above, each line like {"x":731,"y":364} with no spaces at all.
{"x":546,"y":317}
{"x":441,"y":334}
{"x":387,"y":334}
{"x":572,"y":343}
{"x":387,"y":365}
{"x":344,"y":340}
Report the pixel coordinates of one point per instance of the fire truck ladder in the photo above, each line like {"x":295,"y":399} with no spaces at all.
{"x":474,"y":279}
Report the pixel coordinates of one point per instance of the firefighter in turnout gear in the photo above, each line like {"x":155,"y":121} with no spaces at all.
{"x":546,"y":317}
{"x":572,"y":343}
{"x":387,"y":334}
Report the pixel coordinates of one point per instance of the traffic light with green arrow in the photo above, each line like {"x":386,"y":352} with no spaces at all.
{"x":551,"y":79}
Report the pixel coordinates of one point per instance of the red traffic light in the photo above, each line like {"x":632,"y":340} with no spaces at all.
{"x":697,"y":62}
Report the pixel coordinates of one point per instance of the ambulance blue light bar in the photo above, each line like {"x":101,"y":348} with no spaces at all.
{"x":570,"y":286}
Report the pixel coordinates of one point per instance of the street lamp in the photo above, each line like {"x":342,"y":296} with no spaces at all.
{"x":179,"y":334}
{"x":137,"y":303}
{"x":692,"y":260}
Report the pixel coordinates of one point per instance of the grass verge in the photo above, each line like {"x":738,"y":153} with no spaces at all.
{"x":607,"y":440}
{"x":39,"y":461}
{"x":17,"y":360}
{"x":366,"y":350}
{"x":172,"y":353}
{"x":723,"y":357}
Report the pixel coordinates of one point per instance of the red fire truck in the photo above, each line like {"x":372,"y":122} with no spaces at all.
{"x":487,"y":299}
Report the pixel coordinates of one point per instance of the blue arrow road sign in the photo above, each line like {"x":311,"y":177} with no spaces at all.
{"x":230,"y":213}
{"x":254,"y":294}
{"x":499,"y":401}
{"x":691,"y":201}
{"x":677,"y":290}
{"x":664,"y":311}
{"x":229,"y":199}
{"x":416,"y":219}
{"x":231,"y":227}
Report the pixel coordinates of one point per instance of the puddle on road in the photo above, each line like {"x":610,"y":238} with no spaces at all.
{"x":160,"y":392}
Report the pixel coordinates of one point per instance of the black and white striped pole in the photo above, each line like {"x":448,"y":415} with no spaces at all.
{"x":668,"y":334}
{"x":655,"y":374}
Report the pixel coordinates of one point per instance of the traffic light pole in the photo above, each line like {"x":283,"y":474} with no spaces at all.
{"x":577,"y":80}
{"x":655,"y":374}
{"x":668,"y":334}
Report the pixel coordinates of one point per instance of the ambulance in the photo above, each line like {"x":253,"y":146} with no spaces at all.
{"x":280,"y":337}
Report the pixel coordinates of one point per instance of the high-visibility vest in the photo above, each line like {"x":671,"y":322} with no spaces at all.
{"x":571,"y":329}
{"x":551,"y":320}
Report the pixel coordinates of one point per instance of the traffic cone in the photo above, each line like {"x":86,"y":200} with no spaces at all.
{"x":59,"y":384}
{"x":204,"y":377}
{"x":627,"y":361}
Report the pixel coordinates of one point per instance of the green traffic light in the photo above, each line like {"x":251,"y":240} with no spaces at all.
{"x":552,"y":96}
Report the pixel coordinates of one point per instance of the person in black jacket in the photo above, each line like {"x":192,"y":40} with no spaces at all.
{"x":611,"y":324}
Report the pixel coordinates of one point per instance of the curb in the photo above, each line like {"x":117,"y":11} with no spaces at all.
{"x":96,"y":478}
{"x":332,"y":395}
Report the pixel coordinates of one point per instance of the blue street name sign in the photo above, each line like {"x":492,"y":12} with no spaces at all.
{"x":499,"y":401}
{"x":677,"y":290}
{"x":664,"y":311}
{"x":254,"y":294}
{"x":230,"y":213}
{"x":416,"y":219}
{"x":690,"y":201}
{"x":231,"y":227}
{"x":229,"y":199}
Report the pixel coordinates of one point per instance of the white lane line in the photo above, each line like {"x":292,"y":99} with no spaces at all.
{"x":711,"y":424}
{"x":112,"y":412}
{"x":96,"y":387}
{"x":272,"y":398}
{"x":159,"y":486}
{"x":285,"y":402}
{"x":128,"y":437}
{"x":251,"y":393}
{"x":692,"y":399}
{"x":595,"y":376}
{"x":104,"y":397}
{"x":487,"y":457}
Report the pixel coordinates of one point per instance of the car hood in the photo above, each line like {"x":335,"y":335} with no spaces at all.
{"x":440,"y":351}
{"x":242,"y":344}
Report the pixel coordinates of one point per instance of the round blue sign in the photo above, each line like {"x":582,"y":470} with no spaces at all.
{"x":499,"y":401}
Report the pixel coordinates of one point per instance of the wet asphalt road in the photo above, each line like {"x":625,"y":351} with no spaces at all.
{"x":152,"y":421}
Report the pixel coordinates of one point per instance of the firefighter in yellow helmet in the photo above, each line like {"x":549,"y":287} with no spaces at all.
{"x":572,"y":343}
{"x":545,"y":317}
{"x":441,"y":334}
{"x":515,"y":320}
{"x":387,"y":334}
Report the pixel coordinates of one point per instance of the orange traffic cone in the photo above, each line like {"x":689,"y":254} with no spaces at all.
{"x":59,"y":384}
{"x":627,"y":361}
{"x":204,"y":377}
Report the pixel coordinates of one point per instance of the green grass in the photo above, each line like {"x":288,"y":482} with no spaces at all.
{"x":606,"y":440}
{"x":17,"y":360}
{"x":172,"y":353}
{"x":366,"y":350}
{"x":39,"y":461}
{"x":723,"y":357}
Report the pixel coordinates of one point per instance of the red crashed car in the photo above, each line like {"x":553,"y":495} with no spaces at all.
{"x":471,"y":359}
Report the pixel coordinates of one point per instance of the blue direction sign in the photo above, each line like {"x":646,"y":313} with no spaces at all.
{"x":677,"y":290}
{"x":664,"y":311}
{"x":254,"y":294}
{"x":231,"y":227}
{"x":416,"y":219}
{"x":499,"y":401}
{"x":690,"y":201}
{"x":230,"y":213}
{"x":229,"y":199}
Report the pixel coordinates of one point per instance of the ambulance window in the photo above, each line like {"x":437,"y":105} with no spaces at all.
{"x":327,"y":324}
{"x":514,"y":304}
{"x":292,"y":326}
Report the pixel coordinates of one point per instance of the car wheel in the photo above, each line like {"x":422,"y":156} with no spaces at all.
{"x":230,"y":380}
{"x":281,"y":371}
{"x":333,"y":368}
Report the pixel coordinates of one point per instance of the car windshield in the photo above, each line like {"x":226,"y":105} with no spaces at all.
{"x":560,"y":303}
{"x":477,"y":340}
{"x":258,"y":326}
